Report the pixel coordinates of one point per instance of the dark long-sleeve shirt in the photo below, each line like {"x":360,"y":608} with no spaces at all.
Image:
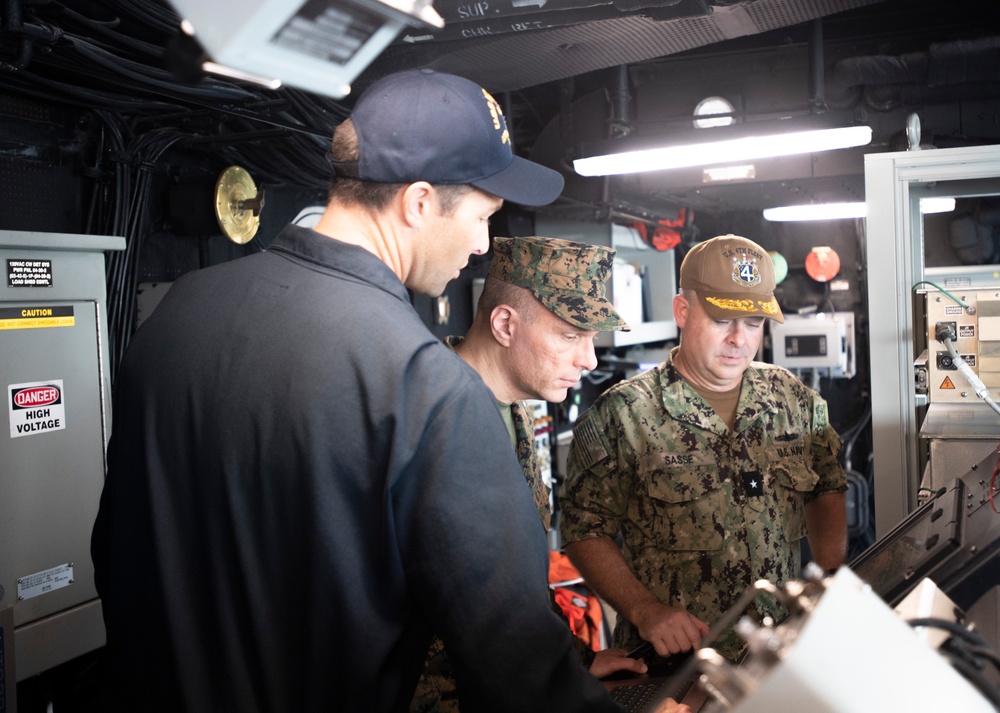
{"x":303,"y":484}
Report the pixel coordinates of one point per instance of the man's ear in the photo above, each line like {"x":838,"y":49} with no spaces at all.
{"x":416,"y":202}
{"x":503,"y":322}
{"x":682,"y":307}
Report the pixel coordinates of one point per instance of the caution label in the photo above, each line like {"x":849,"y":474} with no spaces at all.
{"x":946,"y":384}
{"x":29,"y":273}
{"x":36,"y":317}
{"x":36,"y":408}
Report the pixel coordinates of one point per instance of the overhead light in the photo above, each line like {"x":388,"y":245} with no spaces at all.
{"x":937,"y":205}
{"x":713,"y":111}
{"x":838,"y":211}
{"x":720,"y":144}
{"x":816,"y":211}
{"x":719,"y":174}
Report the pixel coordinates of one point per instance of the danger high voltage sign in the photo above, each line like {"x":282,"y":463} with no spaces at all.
{"x":36,"y":408}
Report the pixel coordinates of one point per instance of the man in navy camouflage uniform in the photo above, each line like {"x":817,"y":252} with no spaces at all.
{"x":711,"y":467}
{"x":542,"y":306}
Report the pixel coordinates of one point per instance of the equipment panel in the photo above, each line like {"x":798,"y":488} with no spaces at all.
{"x":55,"y":377}
{"x":970,"y":321}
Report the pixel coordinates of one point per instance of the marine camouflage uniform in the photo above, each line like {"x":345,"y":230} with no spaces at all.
{"x":703,"y":511}
{"x":527,"y":456}
{"x":569,"y":279}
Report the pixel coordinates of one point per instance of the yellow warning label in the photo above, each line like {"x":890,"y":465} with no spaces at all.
{"x":37,"y":323}
{"x":36,"y":317}
{"x":946,"y":384}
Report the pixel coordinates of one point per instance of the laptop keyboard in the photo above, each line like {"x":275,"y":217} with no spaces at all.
{"x":638,"y":697}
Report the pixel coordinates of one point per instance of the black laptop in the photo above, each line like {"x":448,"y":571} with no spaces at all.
{"x":670,"y":677}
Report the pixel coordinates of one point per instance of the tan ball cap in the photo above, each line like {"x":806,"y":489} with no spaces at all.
{"x":733,"y":277}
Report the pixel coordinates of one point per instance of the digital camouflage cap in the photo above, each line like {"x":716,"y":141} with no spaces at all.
{"x":733,"y":277}
{"x":567,"y":277}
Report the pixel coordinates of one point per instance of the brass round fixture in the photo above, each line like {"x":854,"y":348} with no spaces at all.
{"x":238,"y":205}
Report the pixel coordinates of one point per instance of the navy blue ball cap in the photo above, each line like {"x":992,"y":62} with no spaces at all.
{"x":422,"y":125}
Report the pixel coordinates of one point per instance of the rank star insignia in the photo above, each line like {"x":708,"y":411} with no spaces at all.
{"x":752,"y":484}
{"x":745,"y":272}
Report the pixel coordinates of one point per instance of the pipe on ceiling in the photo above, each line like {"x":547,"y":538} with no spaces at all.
{"x":942,"y":65}
{"x":13,"y":25}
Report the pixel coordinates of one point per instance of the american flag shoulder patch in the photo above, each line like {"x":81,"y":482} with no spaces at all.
{"x":590,"y":445}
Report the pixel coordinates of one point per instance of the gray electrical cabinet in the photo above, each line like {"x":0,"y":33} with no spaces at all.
{"x":54,"y":371}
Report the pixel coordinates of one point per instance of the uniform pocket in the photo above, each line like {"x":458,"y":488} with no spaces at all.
{"x":793,"y":480}
{"x":685,"y":501}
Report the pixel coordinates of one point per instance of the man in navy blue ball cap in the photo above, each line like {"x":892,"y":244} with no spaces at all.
{"x":421,"y":125}
{"x":304,"y":483}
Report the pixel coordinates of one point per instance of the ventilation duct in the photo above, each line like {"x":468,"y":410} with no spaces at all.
{"x":914,"y":77}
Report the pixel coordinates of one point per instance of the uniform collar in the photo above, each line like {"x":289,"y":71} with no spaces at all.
{"x":337,"y":257}
{"x":685,"y":404}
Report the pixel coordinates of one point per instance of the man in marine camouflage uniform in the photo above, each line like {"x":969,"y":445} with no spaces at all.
{"x":542,"y":306}
{"x":711,"y":467}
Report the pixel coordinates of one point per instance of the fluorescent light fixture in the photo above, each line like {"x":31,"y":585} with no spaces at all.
{"x":723,"y":144}
{"x":937,"y":205}
{"x":816,"y":211}
{"x":838,"y":211}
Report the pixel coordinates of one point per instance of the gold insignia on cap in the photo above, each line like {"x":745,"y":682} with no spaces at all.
{"x":733,"y":305}
{"x":770,"y":307}
{"x":497,"y":114}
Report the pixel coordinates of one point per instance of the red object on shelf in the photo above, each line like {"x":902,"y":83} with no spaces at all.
{"x":667,"y":234}
{"x":822,"y":264}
